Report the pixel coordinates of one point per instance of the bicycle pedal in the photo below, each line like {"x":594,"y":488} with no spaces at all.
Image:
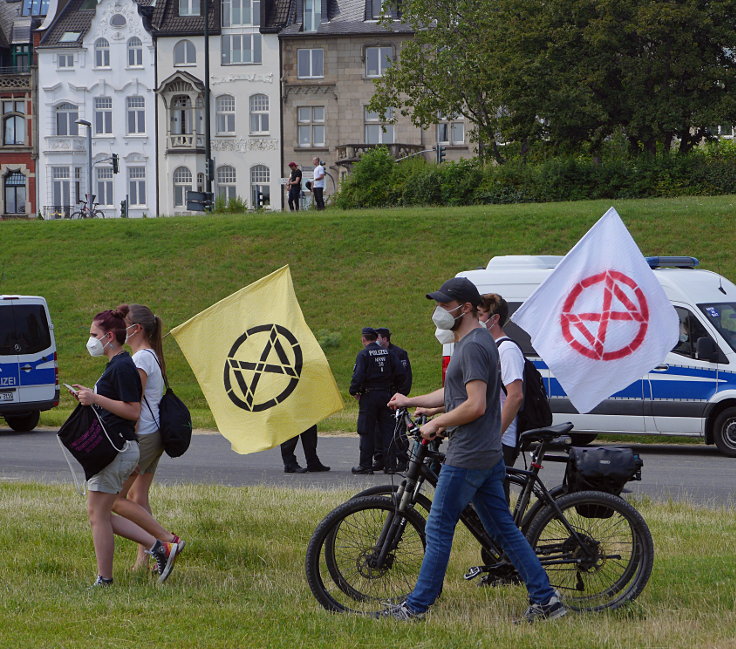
{"x":473,"y":572}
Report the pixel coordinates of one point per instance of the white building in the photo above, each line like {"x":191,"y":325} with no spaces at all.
{"x":244,"y":104}
{"x":96,"y":62}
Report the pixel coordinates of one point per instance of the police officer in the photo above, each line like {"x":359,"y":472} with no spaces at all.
{"x":374,"y":374}
{"x":401,"y":357}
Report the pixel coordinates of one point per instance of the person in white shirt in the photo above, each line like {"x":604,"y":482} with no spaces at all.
{"x":318,"y":184}
{"x":493,"y":313}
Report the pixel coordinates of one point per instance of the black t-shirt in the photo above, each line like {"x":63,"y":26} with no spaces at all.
{"x":296,"y":175}
{"x":120,"y":381}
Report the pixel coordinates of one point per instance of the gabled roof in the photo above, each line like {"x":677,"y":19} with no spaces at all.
{"x":9,"y":13}
{"x":75,"y":18}
{"x":276,"y":15}
{"x":339,"y":18}
{"x":166,"y":20}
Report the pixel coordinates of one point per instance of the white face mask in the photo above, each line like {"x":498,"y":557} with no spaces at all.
{"x":444,"y":336}
{"x":444,"y":319}
{"x":127,"y":335}
{"x":95,"y":347}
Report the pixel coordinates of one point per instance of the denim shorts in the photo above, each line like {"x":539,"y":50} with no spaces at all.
{"x":110,"y":480}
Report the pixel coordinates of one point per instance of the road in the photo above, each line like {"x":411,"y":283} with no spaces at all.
{"x":695,"y":473}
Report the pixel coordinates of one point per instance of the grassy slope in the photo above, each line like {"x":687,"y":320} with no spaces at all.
{"x":350,"y":269}
{"x":240,"y":583}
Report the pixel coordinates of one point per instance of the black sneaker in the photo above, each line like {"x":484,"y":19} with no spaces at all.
{"x":317,"y":468}
{"x":362,"y":470}
{"x":400,"y":612}
{"x":294,"y":468}
{"x":101,"y":582}
{"x":165,"y":555}
{"x":554,"y":608}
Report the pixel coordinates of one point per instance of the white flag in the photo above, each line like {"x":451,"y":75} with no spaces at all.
{"x":601,"y":319}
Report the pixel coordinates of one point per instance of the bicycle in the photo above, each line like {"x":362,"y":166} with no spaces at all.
{"x":84,"y":212}
{"x":366,"y":553}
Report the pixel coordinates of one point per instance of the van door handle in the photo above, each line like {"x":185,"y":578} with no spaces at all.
{"x":27,"y":368}
{"x":661,"y":368}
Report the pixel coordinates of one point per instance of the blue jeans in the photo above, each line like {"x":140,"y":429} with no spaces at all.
{"x":484,"y":487}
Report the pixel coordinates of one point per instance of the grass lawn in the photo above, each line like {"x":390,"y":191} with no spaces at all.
{"x":350,"y":269}
{"x":240,"y":583}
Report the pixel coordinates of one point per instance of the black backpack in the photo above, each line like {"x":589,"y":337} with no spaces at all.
{"x":535,"y":411}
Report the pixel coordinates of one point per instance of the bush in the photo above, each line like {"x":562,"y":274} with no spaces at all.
{"x":377,"y":180}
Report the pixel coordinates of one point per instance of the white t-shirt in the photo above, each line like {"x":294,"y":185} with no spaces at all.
{"x":146,"y":360}
{"x":512,"y":369}
{"x":319,"y":170}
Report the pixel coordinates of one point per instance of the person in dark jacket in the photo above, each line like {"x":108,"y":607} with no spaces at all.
{"x":374,"y":374}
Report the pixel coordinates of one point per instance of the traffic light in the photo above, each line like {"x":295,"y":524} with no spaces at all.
{"x":115,"y":163}
{"x":124,"y":208}
{"x":441,"y":152}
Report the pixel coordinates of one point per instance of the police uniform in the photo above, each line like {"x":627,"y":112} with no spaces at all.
{"x":374,"y":375}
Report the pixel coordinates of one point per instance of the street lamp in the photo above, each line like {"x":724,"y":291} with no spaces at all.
{"x":84,"y":122}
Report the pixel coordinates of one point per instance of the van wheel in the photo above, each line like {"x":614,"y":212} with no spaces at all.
{"x":23,"y":423}
{"x":724,"y":432}
{"x":582,"y":439}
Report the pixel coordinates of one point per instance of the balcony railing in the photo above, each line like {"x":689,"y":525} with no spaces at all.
{"x":186,"y":141}
{"x":15,"y":69}
{"x":347,"y":154}
{"x":58,"y":211}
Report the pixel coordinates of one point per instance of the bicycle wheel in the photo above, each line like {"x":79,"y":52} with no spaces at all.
{"x":611,"y":563}
{"x":75,"y":215}
{"x":387,"y":490}
{"x":343,"y":568}
{"x":98,"y":214}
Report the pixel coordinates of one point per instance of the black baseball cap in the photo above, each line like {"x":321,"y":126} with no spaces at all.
{"x":368,"y":331}
{"x":383,"y":331}
{"x":457,"y":288}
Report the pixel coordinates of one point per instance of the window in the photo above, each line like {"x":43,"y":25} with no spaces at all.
{"x":258,"y":114}
{"x":20,"y":56}
{"x":312,"y":15}
{"x":241,"y":49}
{"x":118,"y":21}
{"x":238,"y":13}
{"x":451,"y":130}
{"x":35,"y":7}
{"x":14,"y":122}
{"x":189,"y":8}
{"x":102,"y":53}
{"x":310,"y":64}
{"x":65,"y":61}
{"x":690,"y":330}
{"x":311,"y":126}
{"x":136,"y":109}
{"x":103,"y":115}
{"x":260,"y":190}
{"x":65,"y":189}
{"x":182,"y":184}
{"x":378,"y":60}
{"x":135,"y":53}
{"x":69,"y":37}
{"x":226,"y":183}
{"x":15,"y":193}
{"x":225,"y":111}
{"x":377,"y":7}
{"x":104,"y":185}
{"x":184,"y":53}
{"x":722,"y":316}
{"x":181,"y":115}
{"x":137,"y":185}
{"x":66,"y":117}
{"x":378,"y":131}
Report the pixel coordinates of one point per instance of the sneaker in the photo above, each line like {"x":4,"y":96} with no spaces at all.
{"x":400,"y":612}
{"x":101,"y":582}
{"x":294,"y":468}
{"x":361,"y":470}
{"x":165,"y":555}
{"x":317,"y":468}
{"x":554,"y":608}
{"x":180,"y":543}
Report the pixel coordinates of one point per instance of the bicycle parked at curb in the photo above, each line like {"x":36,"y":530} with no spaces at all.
{"x":366,"y":553}
{"x":85,"y":213}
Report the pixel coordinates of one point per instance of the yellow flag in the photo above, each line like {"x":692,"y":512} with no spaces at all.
{"x":262,"y":371}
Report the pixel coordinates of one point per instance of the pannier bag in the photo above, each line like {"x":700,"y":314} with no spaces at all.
{"x":88,"y":441}
{"x":602,"y":468}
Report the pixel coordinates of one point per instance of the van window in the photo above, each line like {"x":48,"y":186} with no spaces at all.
{"x":690,"y":330}
{"x":517,"y":334}
{"x":23,"y":329}
{"x":722,"y":316}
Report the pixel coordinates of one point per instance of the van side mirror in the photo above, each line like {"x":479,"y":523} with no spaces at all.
{"x":706,"y":350}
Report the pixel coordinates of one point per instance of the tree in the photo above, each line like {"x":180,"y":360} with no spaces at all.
{"x":566,"y":74}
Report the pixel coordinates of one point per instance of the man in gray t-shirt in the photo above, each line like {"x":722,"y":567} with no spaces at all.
{"x":474,"y":470}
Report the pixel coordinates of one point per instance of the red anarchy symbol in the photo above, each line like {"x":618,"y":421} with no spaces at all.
{"x":614,"y":285}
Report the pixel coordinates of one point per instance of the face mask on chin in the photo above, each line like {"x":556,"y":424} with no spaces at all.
{"x":95,"y":347}
{"x":443,"y":319}
{"x":444,"y":336}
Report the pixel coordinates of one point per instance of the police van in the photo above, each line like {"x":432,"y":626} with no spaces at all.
{"x":29,"y":375}
{"x":692,"y":393}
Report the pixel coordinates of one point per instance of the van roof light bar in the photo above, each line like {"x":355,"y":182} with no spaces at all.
{"x":672,"y":262}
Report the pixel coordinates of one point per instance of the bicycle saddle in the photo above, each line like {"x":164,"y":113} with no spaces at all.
{"x":546,"y":434}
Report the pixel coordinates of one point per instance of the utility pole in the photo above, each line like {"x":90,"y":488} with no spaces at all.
{"x":209,"y":171}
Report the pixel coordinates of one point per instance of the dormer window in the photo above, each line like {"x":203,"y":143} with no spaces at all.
{"x":312,"y":15}
{"x":189,"y":8}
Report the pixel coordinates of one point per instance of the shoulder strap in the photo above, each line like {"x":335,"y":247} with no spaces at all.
{"x":163,"y":374}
